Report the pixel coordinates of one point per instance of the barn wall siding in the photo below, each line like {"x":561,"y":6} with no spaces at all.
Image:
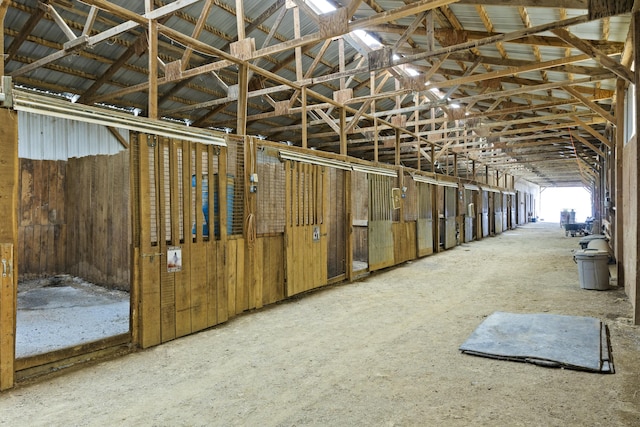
{"x":51,"y":138}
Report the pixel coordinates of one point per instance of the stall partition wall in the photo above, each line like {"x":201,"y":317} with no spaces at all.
{"x":8,"y":241}
{"x":306,"y":229}
{"x":381,"y":245}
{"x":424,"y":223}
{"x":178,"y":258}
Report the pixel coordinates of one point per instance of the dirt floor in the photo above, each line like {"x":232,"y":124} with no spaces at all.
{"x":64,"y":311}
{"x":380,"y":352}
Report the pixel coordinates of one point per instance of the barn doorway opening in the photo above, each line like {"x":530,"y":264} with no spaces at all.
{"x":74,"y":231}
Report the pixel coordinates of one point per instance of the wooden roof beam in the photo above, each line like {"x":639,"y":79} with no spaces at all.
{"x":601,"y":58}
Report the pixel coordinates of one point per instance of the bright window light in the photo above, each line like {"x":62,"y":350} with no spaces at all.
{"x":367,"y":38}
{"x":321,"y":6}
{"x":411,"y":71}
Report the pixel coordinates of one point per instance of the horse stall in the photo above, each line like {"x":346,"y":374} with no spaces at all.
{"x":470,"y":217}
{"x":359,"y":222}
{"x":336,"y":225}
{"x":506,"y":211}
{"x":450,"y":230}
{"x":74,"y":240}
{"x":381,"y":216}
{"x":512,"y":208}
{"x":486,"y":216}
{"x":497,"y":212}
{"x":404,"y":230}
{"x":424,"y":222}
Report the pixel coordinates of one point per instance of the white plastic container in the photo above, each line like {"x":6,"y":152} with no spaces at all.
{"x":593,"y":269}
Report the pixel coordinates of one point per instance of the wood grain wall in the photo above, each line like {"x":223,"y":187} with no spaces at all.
{"x":41,"y":218}
{"x":98,"y":218}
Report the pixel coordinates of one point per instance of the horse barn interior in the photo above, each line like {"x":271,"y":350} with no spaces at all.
{"x":184,"y":162}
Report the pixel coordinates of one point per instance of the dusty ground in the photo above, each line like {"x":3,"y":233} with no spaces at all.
{"x":64,"y":311}
{"x":380,"y":352}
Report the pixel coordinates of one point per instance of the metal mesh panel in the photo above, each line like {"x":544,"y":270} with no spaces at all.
{"x":271,"y":194}
{"x":153,"y":208}
{"x":135,"y":164}
{"x":235,"y":186}
{"x":180,"y":196}
{"x":166,"y":184}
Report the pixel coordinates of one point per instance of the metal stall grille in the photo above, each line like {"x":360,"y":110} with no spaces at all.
{"x":235,"y":186}
{"x":271,"y":193}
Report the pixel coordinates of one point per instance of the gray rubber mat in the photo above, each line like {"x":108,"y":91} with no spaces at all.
{"x":552,"y":340}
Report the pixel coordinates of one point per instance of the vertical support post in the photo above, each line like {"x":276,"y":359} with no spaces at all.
{"x":8,"y":241}
{"x":342,"y":62}
{"x":243,"y":88}
{"x":372,"y":84}
{"x":240,"y":19}
{"x":4,"y":5}
{"x":343,"y":131}
{"x":296,"y":33}
{"x":153,"y":70}
{"x":635,"y":19}
{"x":416,"y":129}
{"x":303,"y":118}
{"x":397,"y":147}
{"x":619,"y":155}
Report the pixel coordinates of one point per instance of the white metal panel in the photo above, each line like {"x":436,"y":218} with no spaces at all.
{"x":52,"y":138}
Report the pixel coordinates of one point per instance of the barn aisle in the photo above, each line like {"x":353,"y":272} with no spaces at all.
{"x":382,"y":351}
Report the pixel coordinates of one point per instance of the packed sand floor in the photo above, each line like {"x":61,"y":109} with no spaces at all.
{"x":379,"y":352}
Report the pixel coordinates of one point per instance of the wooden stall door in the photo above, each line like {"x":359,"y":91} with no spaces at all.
{"x":450,"y":217}
{"x":424,"y":225}
{"x":505,"y":212}
{"x":305,"y":230}
{"x":336,"y":225}
{"x":178,"y":267}
{"x":469,"y":215}
{"x":485,"y":214}
{"x":381,"y":247}
{"x":497,"y":213}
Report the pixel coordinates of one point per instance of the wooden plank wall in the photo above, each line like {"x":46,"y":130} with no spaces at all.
{"x":9,"y":170}
{"x":404,"y":241}
{"x":307,"y":197}
{"x":98,"y":229}
{"x":41,"y":218}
